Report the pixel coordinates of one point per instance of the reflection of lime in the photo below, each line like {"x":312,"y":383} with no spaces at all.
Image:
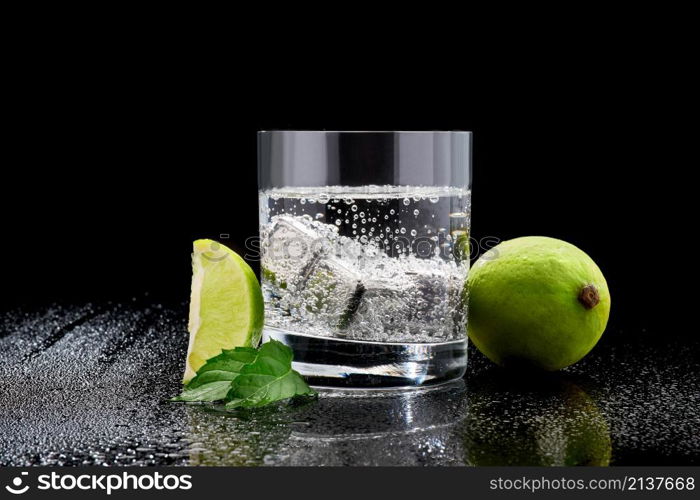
{"x":461,"y":244}
{"x":534,"y":422}
{"x":226,"y":305}
{"x":536,"y":301}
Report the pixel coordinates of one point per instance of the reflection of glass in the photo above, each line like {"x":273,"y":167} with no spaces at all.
{"x":365,"y":241}
{"x":409,"y":428}
{"x":538,"y":421}
{"x":396,"y":428}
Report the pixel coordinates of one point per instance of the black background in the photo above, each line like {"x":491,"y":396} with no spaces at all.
{"x":115,"y":167}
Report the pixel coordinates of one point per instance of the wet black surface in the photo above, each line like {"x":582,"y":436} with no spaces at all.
{"x":89,"y":385}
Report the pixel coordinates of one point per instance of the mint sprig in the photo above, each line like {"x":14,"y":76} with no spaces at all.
{"x":245,"y":377}
{"x":269,"y":378}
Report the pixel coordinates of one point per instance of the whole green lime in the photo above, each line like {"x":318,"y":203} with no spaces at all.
{"x":537,"y":302}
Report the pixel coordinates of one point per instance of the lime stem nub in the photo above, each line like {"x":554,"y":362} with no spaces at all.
{"x":589,"y":296}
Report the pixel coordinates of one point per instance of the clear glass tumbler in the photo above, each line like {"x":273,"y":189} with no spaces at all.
{"x":365,"y":253}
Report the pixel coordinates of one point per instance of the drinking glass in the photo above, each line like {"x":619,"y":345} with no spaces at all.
{"x":365,"y":253}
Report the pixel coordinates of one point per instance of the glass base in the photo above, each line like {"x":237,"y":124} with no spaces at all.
{"x":353,"y":364}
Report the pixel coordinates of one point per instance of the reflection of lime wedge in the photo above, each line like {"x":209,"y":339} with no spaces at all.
{"x":226,"y":305}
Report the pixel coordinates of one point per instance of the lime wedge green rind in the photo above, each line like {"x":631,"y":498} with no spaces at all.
{"x":226,"y":305}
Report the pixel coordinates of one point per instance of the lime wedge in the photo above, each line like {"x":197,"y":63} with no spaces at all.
{"x":226,"y":304}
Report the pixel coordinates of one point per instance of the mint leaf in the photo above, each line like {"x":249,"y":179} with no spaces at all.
{"x":213,"y":380}
{"x":269,"y":378}
{"x":225,"y":366}
{"x":213,"y":391}
{"x":247,"y":377}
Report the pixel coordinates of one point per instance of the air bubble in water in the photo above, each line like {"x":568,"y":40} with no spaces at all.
{"x":302,"y":201}
{"x":434,"y":199}
{"x":413,"y":232}
{"x":406,"y":201}
{"x":353,"y":208}
{"x":403,"y":230}
{"x":338,"y":222}
{"x":416,"y":212}
{"x":323,"y":198}
{"x":319,"y":216}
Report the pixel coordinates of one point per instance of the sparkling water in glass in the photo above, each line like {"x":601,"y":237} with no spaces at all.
{"x":365,"y":253}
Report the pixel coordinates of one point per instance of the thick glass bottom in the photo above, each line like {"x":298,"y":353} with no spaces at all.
{"x":354,"y":364}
